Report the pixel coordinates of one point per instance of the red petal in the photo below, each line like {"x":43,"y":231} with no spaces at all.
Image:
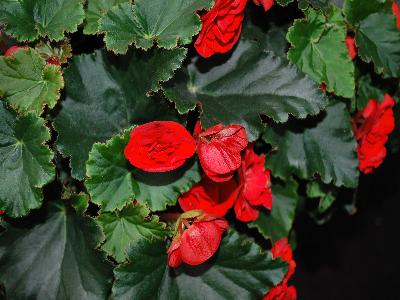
{"x":201,"y":241}
{"x":14,"y":49}
{"x":266,"y":4}
{"x":159,"y":146}
{"x":351,"y":47}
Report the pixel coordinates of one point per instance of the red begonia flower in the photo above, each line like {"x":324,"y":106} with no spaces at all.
{"x":196,"y":242}
{"x":282,"y":249}
{"x":212,"y":197}
{"x":322,"y":86}
{"x":1,"y":212}
{"x":219,"y":150}
{"x":351,"y":47}
{"x":159,"y":146}
{"x":372,"y":127}
{"x":221,"y":27}
{"x":254,"y":188}
{"x":266,"y":4}
{"x":14,"y":49}
{"x":281,"y":292}
{"x":396,"y":12}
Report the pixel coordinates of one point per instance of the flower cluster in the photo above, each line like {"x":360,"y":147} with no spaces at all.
{"x":222,"y":26}
{"x":371,"y":128}
{"x":282,"y":291}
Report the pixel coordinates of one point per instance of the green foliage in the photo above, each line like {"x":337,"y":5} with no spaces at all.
{"x":105,"y":95}
{"x":131,"y":224}
{"x":240,"y":270}
{"x":377,"y":37}
{"x":27,"y":20}
{"x":55,"y":259}
{"x":96,"y":9}
{"x":25,"y":162}
{"x":325,"y":195}
{"x":318,"y":49}
{"x":277,"y":223}
{"x":325,"y":146}
{"x":252,"y":82}
{"x":27,"y":83}
{"x":144,"y":23}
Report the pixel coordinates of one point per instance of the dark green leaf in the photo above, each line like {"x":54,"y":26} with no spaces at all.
{"x":113,"y":181}
{"x":26,"y":20}
{"x":303,"y":4}
{"x":55,"y":259}
{"x":366,"y":91}
{"x":378,"y":40}
{"x":105,"y":95}
{"x":357,"y":10}
{"x":25,"y":162}
{"x":165,"y":22}
{"x":27,"y":83}
{"x":318,"y":49}
{"x":80,"y":202}
{"x":326,"y":196}
{"x":240,"y":270}
{"x":277,"y":223}
{"x":96,"y":9}
{"x":325,"y":147}
{"x":250,"y":83}
{"x":129,"y":225}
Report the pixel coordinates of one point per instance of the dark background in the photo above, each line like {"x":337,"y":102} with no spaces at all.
{"x":354,"y":257}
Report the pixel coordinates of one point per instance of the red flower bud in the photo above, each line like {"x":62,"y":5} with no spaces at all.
{"x":14,"y":49}
{"x":266,"y":4}
{"x":372,"y":127}
{"x":351,"y":47}
{"x":219,"y":150}
{"x":221,"y":27}
{"x":1,"y":212}
{"x":254,"y":187}
{"x":53,"y":60}
{"x":159,"y":146}
{"x":396,"y":12}
{"x":196,"y":242}
{"x":211,"y":197}
{"x":282,"y":249}
{"x":281,"y":292}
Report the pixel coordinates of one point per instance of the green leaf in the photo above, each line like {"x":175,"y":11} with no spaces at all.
{"x":26,"y":20}
{"x":357,"y":10}
{"x":80,"y":202}
{"x":252,"y":82}
{"x":240,"y":270}
{"x":25,"y":162}
{"x":106,"y":94}
{"x":323,"y":146}
{"x":129,"y":225}
{"x":55,"y":259}
{"x":318,"y":49}
{"x":27,"y":83}
{"x":113,"y":181}
{"x":303,"y":4}
{"x":96,"y":9}
{"x":110,"y":181}
{"x":325,"y":194}
{"x":284,"y":2}
{"x":367,"y":91}
{"x":144,"y":23}
{"x":277,"y":223}
{"x":378,"y":40}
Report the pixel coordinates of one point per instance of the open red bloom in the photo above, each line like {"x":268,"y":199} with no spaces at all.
{"x":221,"y":27}
{"x":351,"y":47}
{"x":281,"y":292}
{"x":219,"y":150}
{"x":1,"y":212}
{"x":282,"y":249}
{"x":266,"y":4}
{"x":196,"y":242}
{"x":396,"y":12}
{"x":159,"y":146}
{"x":372,"y":127}
{"x":14,"y":49}
{"x":212,"y":197}
{"x":254,"y":188}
